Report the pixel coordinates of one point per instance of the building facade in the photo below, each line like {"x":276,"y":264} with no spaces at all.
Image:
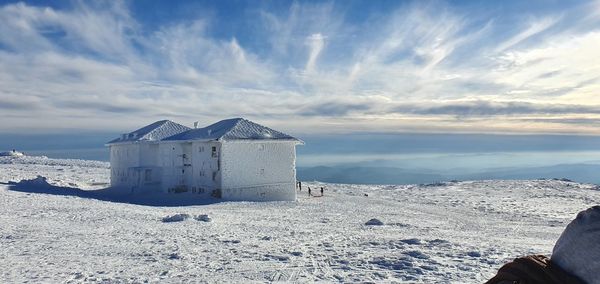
{"x":233,"y":159}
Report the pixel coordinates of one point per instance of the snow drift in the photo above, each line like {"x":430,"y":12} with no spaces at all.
{"x":456,"y":232}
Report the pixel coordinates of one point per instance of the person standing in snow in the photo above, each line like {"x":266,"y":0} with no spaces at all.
{"x":309,"y":191}
{"x":321,"y":191}
{"x":300,"y":185}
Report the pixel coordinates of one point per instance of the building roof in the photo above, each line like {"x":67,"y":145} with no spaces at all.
{"x":154,"y":132}
{"x":233,"y":129}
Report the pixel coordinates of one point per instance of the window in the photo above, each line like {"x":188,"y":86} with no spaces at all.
{"x":261,"y":147}
{"x":200,"y":149}
{"x":148,"y":175}
{"x":214,"y":151}
{"x":202,"y":173}
{"x":214,"y":176}
{"x":262,"y":172}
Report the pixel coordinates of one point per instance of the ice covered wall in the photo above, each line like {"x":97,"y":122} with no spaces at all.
{"x":258,"y":170}
{"x":189,"y":164}
{"x":204,"y":166}
{"x":148,"y":154}
{"x":123,"y":157}
{"x":245,"y":170}
{"x":129,"y":163}
{"x":171,"y":161}
{"x":148,"y":175}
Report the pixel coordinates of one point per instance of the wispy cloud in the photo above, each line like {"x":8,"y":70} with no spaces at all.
{"x":316,"y":42}
{"x":534,"y":28}
{"x":479,"y":108}
{"x":309,"y":67}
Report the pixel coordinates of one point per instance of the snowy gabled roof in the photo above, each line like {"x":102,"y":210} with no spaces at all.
{"x":154,"y":132}
{"x":233,"y":129}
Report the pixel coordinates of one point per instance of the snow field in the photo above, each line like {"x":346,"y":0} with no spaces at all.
{"x":458,"y":232}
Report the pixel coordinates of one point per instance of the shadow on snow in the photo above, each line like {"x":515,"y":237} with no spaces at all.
{"x":40,"y":185}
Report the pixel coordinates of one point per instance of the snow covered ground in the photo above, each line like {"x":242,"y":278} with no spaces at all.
{"x":459,"y":232}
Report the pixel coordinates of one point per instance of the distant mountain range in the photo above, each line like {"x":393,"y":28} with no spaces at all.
{"x":365,"y":175}
{"x":586,"y":173}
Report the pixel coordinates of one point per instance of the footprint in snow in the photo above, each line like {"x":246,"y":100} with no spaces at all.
{"x":413,"y":241}
{"x":174,"y":256}
{"x":474,"y":254}
{"x":417,"y":254}
{"x":374,"y":222}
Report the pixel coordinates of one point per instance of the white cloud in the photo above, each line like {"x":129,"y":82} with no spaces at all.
{"x":563,"y":69}
{"x":534,"y":28}
{"x":89,"y":67}
{"x":315,"y":42}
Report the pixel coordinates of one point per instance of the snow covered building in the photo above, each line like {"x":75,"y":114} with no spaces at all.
{"x":235,"y":159}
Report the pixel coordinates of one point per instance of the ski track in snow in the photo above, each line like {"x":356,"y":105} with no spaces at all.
{"x":458,"y":232}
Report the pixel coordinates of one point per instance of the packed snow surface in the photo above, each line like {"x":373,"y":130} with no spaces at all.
{"x":457,"y":232}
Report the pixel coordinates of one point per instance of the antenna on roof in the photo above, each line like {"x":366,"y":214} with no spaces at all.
{"x":195,"y":124}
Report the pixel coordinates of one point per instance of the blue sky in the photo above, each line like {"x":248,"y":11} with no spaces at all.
{"x":304,"y":66}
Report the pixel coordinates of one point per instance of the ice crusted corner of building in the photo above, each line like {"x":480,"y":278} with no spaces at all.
{"x":233,"y":159}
